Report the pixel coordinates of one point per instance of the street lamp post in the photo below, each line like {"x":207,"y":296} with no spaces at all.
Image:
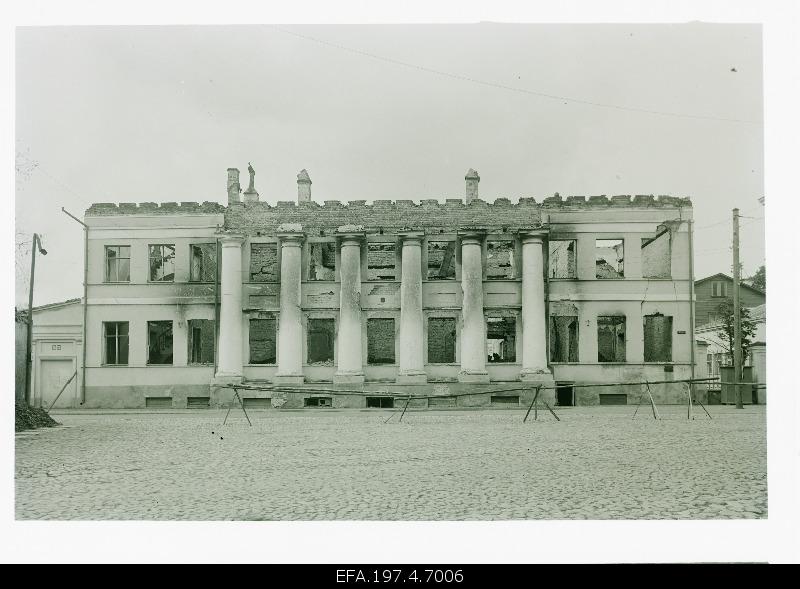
{"x":36,"y":245}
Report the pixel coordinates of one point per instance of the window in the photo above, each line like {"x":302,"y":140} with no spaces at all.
{"x":501,"y":337}
{"x":657,"y":255}
{"x":609,"y":258}
{"x":441,"y":260}
{"x":611,"y":339}
{"x":657,"y":338}
{"x":115,"y":334}
{"x":320,"y":343}
{"x":159,"y":342}
{"x":500,"y":260}
{"x":263,"y":262}
{"x":441,"y":340}
{"x":203,"y":262}
{"x":318,"y":402}
{"x":381,"y":261}
{"x":263,"y":333}
{"x":162,"y":263}
{"x":561,"y":261}
{"x":719,"y":289}
{"x":322,"y":261}
{"x":118,"y":263}
{"x":380,"y":402}
{"x":563,"y":338}
{"x":380,"y":341}
{"x":201,"y":341}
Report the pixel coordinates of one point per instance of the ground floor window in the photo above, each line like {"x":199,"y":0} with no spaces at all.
{"x":201,"y":341}
{"x":263,"y":347}
{"x":611,"y":338}
{"x":501,"y":339}
{"x":441,"y":340}
{"x":657,"y":338}
{"x":159,"y":342}
{"x":563,"y":338}
{"x":115,"y":334}
{"x":380,"y":341}
{"x":320,"y":340}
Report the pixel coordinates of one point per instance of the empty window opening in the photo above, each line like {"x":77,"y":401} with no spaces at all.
{"x":257,"y":402}
{"x":201,"y":341}
{"x":118,"y":263}
{"x":609,"y":258}
{"x":441,"y":340}
{"x":611,"y":339}
{"x":563,"y":338}
{"x":321,"y":336}
{"x":159,"y":342}
{"x":263,"y":333}
{"x":158,"y":402}
{"x":561,"y":261}
{"x":318,"y":402}
{"x":380,"y":341}
{"x":203,"y":262}
{"x":115,"y":334}
{"x":719,"y":289}
{"x":613,"y":399}
{"x":657,"y":254}
{"x":263,"y":262}
{"x":501,"y":338}
{"x":500,"y":260}
{"x":441,"y":260}
{"x":322,"y":261}
{"x":657,"y":338}
{"x":197,"y":402}
{"x":505,"y":399}
{"x":565,"y":395}
{"x":381,"y":263}
{"x":380,"y":402}
{"x":162,"y":263}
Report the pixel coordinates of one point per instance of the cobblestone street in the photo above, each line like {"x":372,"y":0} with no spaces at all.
{"x":597,"y":463}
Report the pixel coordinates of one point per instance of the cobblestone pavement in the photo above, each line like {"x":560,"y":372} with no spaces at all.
{"x":597,"y":463}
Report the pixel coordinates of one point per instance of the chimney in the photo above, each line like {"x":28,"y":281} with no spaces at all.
{"x":472,"y":179}
{"x":251,"y":195}
{"x":303,"y":187}
{"x":233,"y":185}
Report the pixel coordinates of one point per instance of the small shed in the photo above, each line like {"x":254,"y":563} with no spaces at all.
{"x":57,"y":354}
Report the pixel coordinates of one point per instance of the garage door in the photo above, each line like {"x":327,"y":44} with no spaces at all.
{"x":54,"y":374}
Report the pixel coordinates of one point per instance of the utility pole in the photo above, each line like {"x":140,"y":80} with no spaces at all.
{"x":36,"y":244}
{"x":737,"y":314}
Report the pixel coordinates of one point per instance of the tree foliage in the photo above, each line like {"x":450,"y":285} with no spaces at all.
{"x":726,"y":315}
{"x":759,"y":279}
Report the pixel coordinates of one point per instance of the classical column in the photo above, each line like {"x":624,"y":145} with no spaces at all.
{"x":349,"y":343}
{"x":473,"y":325}
{"x":290,"y":323}
{"x":229,"y":365}
{"x":411,"y":368}
{"x":534,"y":336}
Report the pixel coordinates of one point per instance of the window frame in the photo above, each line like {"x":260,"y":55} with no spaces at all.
{"x":150,"y":257}
{"x":192,"y":279}
{"x":575,"y":254}
{"x":394,"y":340}
{"x":117,"y":337}
{"x":190,"y":329}
{"x":276,"y":272}
{"x":250,"y":341}
{"x":624,"y":247}
{"x":172,"y":333}
{"x":624,"y":322}
{"x":436,"y":239}
{"x":106,"y":274}
{"x":504,"y":319}
{"x":454,"y":319}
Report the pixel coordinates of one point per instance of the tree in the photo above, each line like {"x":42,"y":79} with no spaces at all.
{"x":725,"y":313}
{"x":759,"y":279}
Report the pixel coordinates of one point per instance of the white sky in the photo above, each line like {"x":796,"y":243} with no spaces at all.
{"x":140,"y":114}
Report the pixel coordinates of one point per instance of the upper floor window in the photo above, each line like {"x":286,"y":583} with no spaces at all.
{"x":263,"y":262}
{"x":657,"y":255}
{"x":381,"y":261}
{"x":609,"y":258}
{"x":322,"y":261}
{"x":719,"y":289}
{"x":441,"y":260}
{"x":118,"y":263}
{"x":162,"y":263}
{"x":561,"y":260}
{"x":203,"y":262}
{"x":500,"y":260}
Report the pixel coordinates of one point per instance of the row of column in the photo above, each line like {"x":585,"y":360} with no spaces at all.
{"x":411,"y":361}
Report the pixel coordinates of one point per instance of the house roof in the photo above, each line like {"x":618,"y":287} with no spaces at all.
{"x":720,"y":275}
{"x":59,"y":304}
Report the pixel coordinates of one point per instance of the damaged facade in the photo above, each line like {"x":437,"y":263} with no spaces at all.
{"x":431,"y":297}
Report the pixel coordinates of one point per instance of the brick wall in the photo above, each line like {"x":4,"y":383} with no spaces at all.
{"x":263,"y":262}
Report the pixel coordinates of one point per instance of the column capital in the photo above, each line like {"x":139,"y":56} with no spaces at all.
{"x":471,"y":235}
{"x":532,"y":235}
{"x":291,"y":238}
{"x":350,"y":237}
{"x":411,"y":237}
{"x":230,"y":239}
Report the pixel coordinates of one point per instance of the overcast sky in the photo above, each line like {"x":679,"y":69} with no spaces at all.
{"x":139,"y":114}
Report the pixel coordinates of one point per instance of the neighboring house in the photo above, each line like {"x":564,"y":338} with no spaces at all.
{"x":20,"y":352}
{"x":711,"y":291}
{"x":437,"y":297}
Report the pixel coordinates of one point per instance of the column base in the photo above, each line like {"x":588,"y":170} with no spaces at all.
{"x":542,"y":375}
{"x":348,"y":378}
{"x":226,"y":378}
{"x":473,"y":376}
{"x":288,"y":379}
{"x":412,"y":377}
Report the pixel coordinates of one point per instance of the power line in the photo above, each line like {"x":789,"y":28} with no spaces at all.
{"x":505,"y":87}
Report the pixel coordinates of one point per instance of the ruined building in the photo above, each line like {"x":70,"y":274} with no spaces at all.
{"x":431,"y":297}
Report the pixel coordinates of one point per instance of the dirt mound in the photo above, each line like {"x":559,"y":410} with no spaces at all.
{"x":31,"y":418}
